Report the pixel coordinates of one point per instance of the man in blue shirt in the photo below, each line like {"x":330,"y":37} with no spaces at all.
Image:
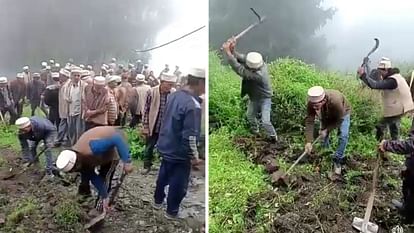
{"x":177,"y":142}
{"x":96,"y":147}
{"x":33,"y":130}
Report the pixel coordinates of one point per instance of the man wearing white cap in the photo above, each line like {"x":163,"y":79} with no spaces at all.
{"x":74,"y":95}
{"x":96,"y":104}
{"x":51,"y":99}
{"x":113,"y":106}
{"x":18,"y":91}
{"x":101,"y":146}
{"x":6,"y":100}
{"x":31,"y":132}
{"x":178,"y":73}
{"x":104,"y":70}
{"x":255,"y":84}
{"x":334,"y":111}
{"x":153,"y":113}
{"x":396,"y":96}
{"x":146,"y":71}
{"x":141,"y":91}
{"x":27,"y":75}
{"x":112,"y":65}
{"x":35,"y":90}
{"x":126,"y":91}
{"x":139,"y":67}
{"x":63,"y":108}
{"x":177,"y":143}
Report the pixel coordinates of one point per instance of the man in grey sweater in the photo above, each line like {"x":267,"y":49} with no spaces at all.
{"x":255,"y":84}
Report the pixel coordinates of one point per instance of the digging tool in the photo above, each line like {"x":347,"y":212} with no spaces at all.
{"x":411,"y":80}
{"x":251,"y":26}
{"x":365,"y":61}
{"x":364,"y":225}
{"x":27,"y":167}
{"x":281,"y":176}
{"x":114,"y":192}
{"x":2,"y":118}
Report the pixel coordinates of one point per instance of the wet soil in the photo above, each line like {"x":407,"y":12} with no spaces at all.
{"x":314,"y":202}
{"x":132,"y":212}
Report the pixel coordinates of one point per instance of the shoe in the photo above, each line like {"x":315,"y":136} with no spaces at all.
{"x":397,"y":204}
{"x":48,"y":177}
{"x":156,"y":206}
{"x":273,"y":139}
{"x":177,"y":217}
{"x":337,"y":169}
{"x":146,"y":171}
{"x":255,"y":131}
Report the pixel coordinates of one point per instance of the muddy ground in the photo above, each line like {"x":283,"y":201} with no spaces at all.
{"x":313,"y":201}
{"x":30,"y":204}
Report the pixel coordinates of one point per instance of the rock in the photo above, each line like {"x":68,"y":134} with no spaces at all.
{"x":141,"y":223}
{"x":2,"y":219}
{"x":52,"y":226}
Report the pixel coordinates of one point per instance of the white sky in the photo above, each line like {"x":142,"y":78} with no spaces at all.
{"x":189,"y":51}
{"x":357,"y":23}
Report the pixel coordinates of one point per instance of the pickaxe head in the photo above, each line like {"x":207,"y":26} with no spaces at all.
{"x":258,"y":16}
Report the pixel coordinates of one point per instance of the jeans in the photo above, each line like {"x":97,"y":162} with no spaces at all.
{"x":48,"y":143}
{"x":75,"y":128}
{"x":149,"y":150}
{"x":343,"y":136}
{"x":177,"y":176}
{"x":265,"y":106}
{"x":393,"y":124}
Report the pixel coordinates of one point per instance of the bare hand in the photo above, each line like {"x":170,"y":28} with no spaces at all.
{"x":381,"y":146}
{"x":323,"y":133}
{"x":105,"y":205}
{"x":308,"y":148}
{"x":361,"y":71}
{"x":145,"y":132}
{"x":195,"y":162}
{"x":128,"y":168}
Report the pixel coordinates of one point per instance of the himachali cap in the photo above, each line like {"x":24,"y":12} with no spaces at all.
{"x":89,"y":67}
{"x":48,"y":67}
{"x":57,"y":65}
{"x":66,"y":160}
{"x":76,"y":70}
{"x":44,"y":63}
{"x":385,"y":63}
{"x":22,"y":122}
{"x":64,"y":72}
{"x":140,"y":78}
{"x":3,"y":80}
{"x":19,"y":75}
{"x":99,"y":80}
{"x":197,"y":73}
{"x":115,"y":78}
{"x":168,"y":77}
{"x":316,"y":94}
{"x":85,"y":73}
{"x":55,"y":75}
{"x":254,"y":60}
{"x":36,"y":75}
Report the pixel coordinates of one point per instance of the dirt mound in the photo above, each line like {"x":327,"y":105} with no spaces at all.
{"x":28,"y":203}
{"x":315,"y":203}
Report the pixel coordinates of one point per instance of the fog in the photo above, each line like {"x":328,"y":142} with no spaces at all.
{"x":356,"y":23}
{"x":91,"y":32}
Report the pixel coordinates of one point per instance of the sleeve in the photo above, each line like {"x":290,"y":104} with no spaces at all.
{"x":101,"y":146}
{"x":400,"y":147}
{"x":98,"y":182}
{"x":386,"y":84}
{"x":190,"y":133}
{"x":242,"y":71}
{"x":309,"y":124}
{"x":337,"y":112}
{"x":241,"y":58}
{"x":147,"y":110}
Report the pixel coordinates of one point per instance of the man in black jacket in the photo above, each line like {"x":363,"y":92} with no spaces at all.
{"x":6,"y":100}
{"x":51,"y":98}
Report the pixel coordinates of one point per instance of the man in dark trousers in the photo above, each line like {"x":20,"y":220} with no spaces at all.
{"x":31,"y":132}
{"x":101,"y":146}
{"x":404,"y":147}
{"x":6,"y":100}
{"x":396,"y":96}
{"x":255,"y":84}
{"x":18,"y":91}
{"x":34,"y":93}
{"x":177,"y":142}
{"x":51,"y":98}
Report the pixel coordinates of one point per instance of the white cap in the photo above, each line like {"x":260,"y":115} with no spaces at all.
{"x":103,"y":67}
{"x":146,"y":65}
{"x":385,"y":63}
{"x":22,"y":122}
{"x":82,"y":66}
{"x":19,"y":75}
{"x":64,"y":72}
{"x":168,"y":77}
{"x":26,"y":68}
{"x":55,"y":75}
{"x":254,"y":60}
{"x":44,"y":63}
{"x":115,"y":78}
{"x":316,"y":94}
{"x":113,"y":59}
{"x":197,"y":72}
{"x":85,"y":73}
{"x":36,"y":75}
{"x":110,"y":71}
{"x":66,"y":160}
{"x":99,"y":80}
{"x":139,"y":61}
{"x":51,"y":61}
{"x":120,"y":65}
{"x":3,"y":80}
{"x":89,"y":67}
{"x":48,"y":67}
{"x":57,"y":65}
{"x":140,"y":78}
{"x":131,"y":65}
{"x":76,"y":70}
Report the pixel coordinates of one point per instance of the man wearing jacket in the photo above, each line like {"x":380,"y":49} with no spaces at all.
{"x":177,"y":142}
{"x":31,"y":132}
{"x":51,"y":99}
{"x":63,"y":108}
{"x":101,"y":146}
{"x":34,"y":93}
{"x":6,"y":100}
{"x":256,"y":84}
{"x":18,"y":91}
{"x":96,"y":103}
{"x":153,"y":113}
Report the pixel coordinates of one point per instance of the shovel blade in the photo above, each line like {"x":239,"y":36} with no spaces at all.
{"x":279,"y":177}
{"x":95,"y":220}
{"x":358,"y":223}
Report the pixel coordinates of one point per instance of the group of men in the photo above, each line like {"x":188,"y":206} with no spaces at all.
{"x":333,"y":110}
{"x":87,"y":112}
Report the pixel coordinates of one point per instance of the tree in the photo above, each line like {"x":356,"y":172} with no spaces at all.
{"x":289,"y":28}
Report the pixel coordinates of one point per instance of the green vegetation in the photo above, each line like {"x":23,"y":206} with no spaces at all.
{"x":234,"y":181}
{"x":67,"y":214}
{"x":24,"y":208}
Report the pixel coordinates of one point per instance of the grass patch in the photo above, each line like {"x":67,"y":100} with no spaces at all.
{"x":23,"y":209}
{"x":67,"y":214}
